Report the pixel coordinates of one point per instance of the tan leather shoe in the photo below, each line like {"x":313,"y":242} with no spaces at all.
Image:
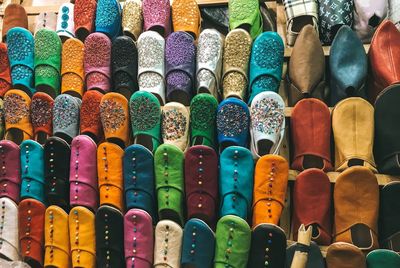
{"x":345,"y":255}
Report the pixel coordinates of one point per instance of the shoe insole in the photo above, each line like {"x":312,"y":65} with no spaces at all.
{"x":169,"y":214}
{"x":145,"y":140}
{"x":117,"y":141}
{"x":198,"y":141}
{"x":312,"y":161}
{"x":179,"y":96}
{"x":355,"y":162}
{"x":264,"y":147}
{"x":41,"y":137}
{"x":15,"y":135}
{"x":315,"y":231}
{"x":225,"y":145}
{"x":361,"y":236}
{"x":300,"y":22}
{"x":158,"y":29}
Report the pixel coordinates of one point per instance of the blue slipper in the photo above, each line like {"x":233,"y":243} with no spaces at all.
{"x":109,"y":18}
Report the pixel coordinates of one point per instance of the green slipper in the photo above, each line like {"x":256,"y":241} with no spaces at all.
{"x":203,"y":110}
{"x":383,"y":258}
{"x":168,"y":165}
{"x":233,"y":238}
{"x":246,"y":14}
{"x":145,"y":114}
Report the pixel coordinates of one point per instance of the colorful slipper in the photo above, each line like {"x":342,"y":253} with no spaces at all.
{"x":21,"y":59}
{"x":32,"y":170}
{"x":9,"y":230}
{"x":82,"y":234}
{"x":168,"y":244}
{"x":108,"y":18}
{"x":267,"y":123}
{"x":46,"y":20}
{"x":124,"y":60}
{"x":57,"y":153}
{"x":246,"y":14}
{"x":31,"y":215}
{"x":270,"y":186}
{"x":97,"y":62}
{"x":145,"y":112}
{"x":17,"y":116}
{"x":236,"y":182}
{"x":114,"y":114}
{"x":66,"y":117}
{"x":157,"y":16}
{"x":186,"y":17}
{"x":83,"y":185}
{"x":345,"y":255}
{"x":84,"y":16}
{"x":138,"y":163}
{"x":10,"y":175}
{"x":2,"y":119}
{"x":266,"y":64}
{"x":47,"y":62}
{"x":90,"y":121}
{"x":72,"y":73}
{"x":5,"y":72}
{"x":14,"y":16}
{"x":151,"y":71}
{"x":233,"y":120}
{"x":175,"y":125}
{"x":180,"y":53}
{"x":56,"y":238}
{"x":203,"y":110}
{"x":201,"y":184}
{"x":109,"y":224}
{"x":268,"y":246}
{"x":389,"y":231}
{"x":209,"y":62}
{"x":110,"y":177}
{"x":237,"y":49}
{"x":168,"y":164}
{"x":42,"y":116}
{"x":138,"y":239}
{"x":65,"y":22}
{"x":132,"y":19}
{"x":383,"y":258}
{"x":198,"y":244}
{"x":233,"y":238}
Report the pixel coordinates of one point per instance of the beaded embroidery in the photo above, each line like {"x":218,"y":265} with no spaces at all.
{"x":19,"y":46}
{"x":19,"y":72}
{"x":132,"y":15}
{"x":84,"y":12}
{"x":267,"y":116}
{"x":145,"y":114}
{"x":65,"y":112}
{"x":47,"y":44}
{"x":90,"y":112}
{"x":156,"y":12}
{"x":15,"y":108}
{"x":41,"y":112}
{"x":151,"y":52}
{"x":107,"y":13}
{"x":232,"y":120}
{"x":174,"y":124}
{"x":268,"y":53}
{"x":202,"y":114}
{"x":112,"y":115}
{"x":242,"y":9}
{"x":209,"y":48}
{"x":185,"y":15}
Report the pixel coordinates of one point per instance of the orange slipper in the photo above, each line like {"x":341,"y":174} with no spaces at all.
{"x":5,"y":74}
{"x":72,"y":74}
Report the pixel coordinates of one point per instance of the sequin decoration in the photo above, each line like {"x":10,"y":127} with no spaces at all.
{"x":151,"y":52}
{"x":202,"y":114}
{"x":205,"y":76}
{"x":84,"y":12}
{"x":45,"y":71}
{"x":15,"y":108}
{"x":232,"y":120}
{"x":19,"y":46}
{"x":173,"y":124}
{"x":242,"y":9}
{"x":72,"y":57}
{"x":20,"y":72}
{"x":150,"y":80}
{"x":267,"y":116}
{"x":90,"y":113}
{"x":65,"y":112}
{"x":145,"y":114}
{"x":156,"y":12}
{"x":186,"y":15}
{"x":268,"y":53}
{"x":4,"y":64}
{"x":47,"y":45}
{"x":41,"y":112}
{"x":132,"y":16}
{"x":112,"y":115}
{"x":267,"y":83}
{"x":97,"y":50}
{"x":180,"y":49}
{"x":107,"y":12}
{"x":234,"y":82}
{"x":209,"y":47}
{"x":237,"y":50}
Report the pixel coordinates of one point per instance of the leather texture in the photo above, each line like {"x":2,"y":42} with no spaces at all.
{"x":84,"y":16}
{"x":72,"y":72}
{"x":9,"y":245}
{"x":14,"y":16}
{"x":381,"y":258}
{"x":90,"y":121}
{"x":65,"y":21}
{"x":168,"y":244}
{"x":66,"y":112}
{"x":10,"y":175}
{"x":215,"y":17}
{"x":186,"y":17}
{"x":345,"y":255}
{"x":245,"y":14}
{"x":175,"y":125}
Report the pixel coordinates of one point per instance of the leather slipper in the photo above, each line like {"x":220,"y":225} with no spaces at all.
{"x":72,"y":72}
{"x":157,"y":16}
{"x":66,"y":117}
{"x":10,"y":175}
{"x":175,"y":125}
{"x":5,"y":72}
{"x":132,"y":19}
{"x":90,"y":120}
{"x":84,"y":17}
{"x":168,"y":244}
{"x":108,"y":18}
{"x":65,"y":22}
{"x":42,"y":116}
{"x":9,"y":230}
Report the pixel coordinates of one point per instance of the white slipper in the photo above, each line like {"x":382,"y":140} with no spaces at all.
{"x":168,"y":244}
{"x":175,"y":125}
{"x":9,"y":246}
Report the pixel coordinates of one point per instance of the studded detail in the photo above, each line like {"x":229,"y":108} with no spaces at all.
{"x":168,"y":243}
{"x":15,"y":108}
{"x":42,"y":111}
{"x":232,"y":120}
{"x":186,"y":16}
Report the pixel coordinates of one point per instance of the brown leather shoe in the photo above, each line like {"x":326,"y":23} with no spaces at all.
{"x":345,"y":255}
{"x":14,"y":16}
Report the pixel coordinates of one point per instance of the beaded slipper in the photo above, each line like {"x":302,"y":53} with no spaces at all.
{"x":108,"y":18}
{"x":198,"y":244}
{"x":83,"y":183}
{"x":345,"y":255}
{"x":132,"y":19}
{"x":66,"y":117}
{"x":236,"y":181}
{"x":209,"y":62}
{"x":175,"y":125}
{"x":151,"y":71}
{"x":138,"y":239}
{"x":9,"y":225}
{"x":32,"y":170}
{"x":5,"y":72}
{"x":145,"y":112}
{"x":201,"y":184}
{"x":47,"y":62}
{"x":90,"y":120}
{"x":168,"y":244}
{"x":157,"y":16}
{"x":21,"y":59}
{"x":31,"y":215}
{"x":2,"y":120}
{"x":17,"y":116}
{"x":246,"y":14}
{"x":383,"y":258}
{"x":233,"y":120}
{"x":46,"y":20}
{"x":138,"y":163}
{"x":114,"y":115}
{"x":42,"y":116}
{"x":237,"y":49}
{"x":270,"y":185}
{"x":82,"y":230}
{"x":14,"y":16}
{"x":233,"y":238}
{"x":268,"y":246}
{"x":267,"y":123}
{"x":180,"y":53}
{"x":97,"y":62}
{"x":124,"y":59}
{"x":168,"y":164}
{"x":109,"y":224}
{"x":72,"y":72}
{"x":65,"y":22}
{"x":266,"y":64}
{"x":110,"y":177}
{"x":203,"y":110}
{"x":56,"y":238}
{"x":186,"y":17}
{"x":10,"y":175}
{"x":84,"y":17}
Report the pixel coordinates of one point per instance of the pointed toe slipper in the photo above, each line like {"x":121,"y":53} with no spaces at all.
{"x":175,"y":125}
{"x":42,"y":116}
{"x":90,"y":120}
{"x":108,"y":18}
{"x":132,"y":19}
{"x":66,"y":117}
{"x":10,"y":175}
{"x":84,"y":17}
{"x":72,"y":71}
